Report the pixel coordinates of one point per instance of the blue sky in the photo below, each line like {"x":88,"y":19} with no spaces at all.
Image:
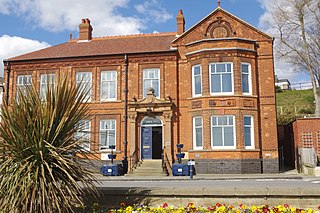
{"x":28,"y":25}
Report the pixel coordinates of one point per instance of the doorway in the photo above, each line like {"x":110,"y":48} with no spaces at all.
{"x":151,"y":138}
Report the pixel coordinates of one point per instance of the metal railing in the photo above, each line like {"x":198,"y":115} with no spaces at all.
{"x":134,"y":160}
{"x":166,"y":164}
{"x":296,"y":110}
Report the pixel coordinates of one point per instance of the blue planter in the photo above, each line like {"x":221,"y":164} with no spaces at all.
{"x":180,"y":155}
{"x":112,"y":146}
{"x":180,"y":146}
{"x":112,"y":170}
{"x":180,"y":170}
{"x":112,"y":156}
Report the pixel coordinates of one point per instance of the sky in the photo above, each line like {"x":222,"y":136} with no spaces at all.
{"x":29,"y":25}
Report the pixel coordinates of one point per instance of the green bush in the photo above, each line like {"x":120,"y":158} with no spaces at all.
{"x":41,"y":171}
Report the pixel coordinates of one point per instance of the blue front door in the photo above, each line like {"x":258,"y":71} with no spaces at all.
{"x":146,"y":142}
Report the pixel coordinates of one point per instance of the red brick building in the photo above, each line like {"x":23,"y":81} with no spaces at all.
{"x":212,"y":90}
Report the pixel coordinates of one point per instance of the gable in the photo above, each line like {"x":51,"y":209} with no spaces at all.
{"x":221,"y":24}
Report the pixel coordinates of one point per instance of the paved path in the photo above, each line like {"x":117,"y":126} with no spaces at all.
{"x":273,"y":189}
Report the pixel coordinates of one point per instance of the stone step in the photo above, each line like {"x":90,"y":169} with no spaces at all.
{"x":148,"y":168}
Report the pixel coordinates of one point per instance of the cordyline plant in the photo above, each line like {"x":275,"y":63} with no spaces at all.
{"x":41,"y":170}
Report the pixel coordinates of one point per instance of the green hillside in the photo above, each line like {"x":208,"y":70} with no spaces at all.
{"x":295,"y":98}
{"x":292,"y":104}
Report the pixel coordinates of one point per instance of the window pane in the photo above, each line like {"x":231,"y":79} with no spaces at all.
{"x":155,"y":86}
{"x":214,"y":121}
{"x":112,"y":138}
{"x":247,"y":136}
{"x":217,"y":136}
{"x":245,"y":83}
{"x":198,"y":137}
{"x":226,"y":83}
{"x":196,"y":70}
{"x":247,"y":121}
{"x":112,"y":90}
{"x":228,"y":136}
{"x":198,"y":121}
{"x":230,"y":120}
{"x":222,"y":120}
{"x":244,"y":68}
{"x":215,"y":83}
{"x":228,"y":67}
{"x":197,"y":86}
{"x":220,"y":68}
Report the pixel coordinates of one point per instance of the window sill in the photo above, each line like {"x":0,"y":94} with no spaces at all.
{"x":224,"y":150}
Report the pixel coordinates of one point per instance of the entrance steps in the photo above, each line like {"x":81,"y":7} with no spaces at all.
{"x":148,"y":168}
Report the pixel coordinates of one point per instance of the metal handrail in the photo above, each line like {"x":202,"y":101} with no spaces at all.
{"x":133,"y":160}
{"x":165,"y":161}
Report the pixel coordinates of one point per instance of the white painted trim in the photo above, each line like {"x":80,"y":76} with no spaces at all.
{"x":232,"y":81}
{"x":249,"y":79}
{"x":193,"y":81}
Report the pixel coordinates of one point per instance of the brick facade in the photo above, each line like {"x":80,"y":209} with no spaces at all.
{"x":306,"y":132}
{"x":219,"y":40}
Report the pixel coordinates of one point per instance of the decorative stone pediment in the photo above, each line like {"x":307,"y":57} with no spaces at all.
{"x":150,"y":102}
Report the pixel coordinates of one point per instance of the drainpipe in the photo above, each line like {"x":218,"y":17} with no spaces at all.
{"x":125,"y":142}
{"x":8,"y":70}
{"x":259,"y":110}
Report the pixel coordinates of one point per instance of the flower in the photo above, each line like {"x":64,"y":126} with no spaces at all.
{"x":165,"y":205}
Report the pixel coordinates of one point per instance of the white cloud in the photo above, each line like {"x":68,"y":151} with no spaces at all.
{"x":13,"y":46}
{"x":282,"y":69}
{"x":154,"y":11}
{"x":59,"y":15}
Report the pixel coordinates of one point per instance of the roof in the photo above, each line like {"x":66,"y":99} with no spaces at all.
{"x":111,"y":45}
{"x":229,"y":14}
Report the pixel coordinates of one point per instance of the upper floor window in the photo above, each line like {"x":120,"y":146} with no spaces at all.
{"x":248,"y":132}
{"x":83,"y":134}
{"x":223,"y":132}
{"x":151,"y":78}
{"x":46,"y":81}
{"x":246,"y":78}
{"x":108,"y":87}
{"x":107,"y":134}
{"x":23,"y":83}
{"x":84,"y":80}
{"x":197,"y":133}
{"x":221,"y":78}
{"x":196,"y":81}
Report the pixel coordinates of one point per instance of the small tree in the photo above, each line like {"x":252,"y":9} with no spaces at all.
{"x":41,"y":171}
{"x":297,"y":29}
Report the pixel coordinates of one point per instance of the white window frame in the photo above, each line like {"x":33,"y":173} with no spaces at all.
{"x":83,"y":134}
{"x":102,"y":130}
{"x":23,"y":81}
{"x":232,"y":81}
{"x":249,"y":79}
{"x":145,"y":90}
{"x":109,"y":82}
{"x":195,"y":147}
{"x":81,"y":79}
{"x":251,"y":132}
{"x":194,"y":81}
{"x":233,"y":129}
{"x":49,"y":79}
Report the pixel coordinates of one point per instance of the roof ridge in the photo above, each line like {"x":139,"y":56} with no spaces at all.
{"x":129,"y":36}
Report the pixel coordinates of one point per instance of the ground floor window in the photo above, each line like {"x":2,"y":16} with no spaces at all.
{"x":248,"y":132}
{"x":107,"y":135}
{"x":83,"y":133}
{"x":223,"y":132}
{"x":197,"y":133}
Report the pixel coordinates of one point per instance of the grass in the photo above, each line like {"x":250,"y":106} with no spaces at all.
{"x":295,"y":98}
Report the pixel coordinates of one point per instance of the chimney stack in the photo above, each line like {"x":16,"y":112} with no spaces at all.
{"x":85,"y":30}
{"x":180,"y":23}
